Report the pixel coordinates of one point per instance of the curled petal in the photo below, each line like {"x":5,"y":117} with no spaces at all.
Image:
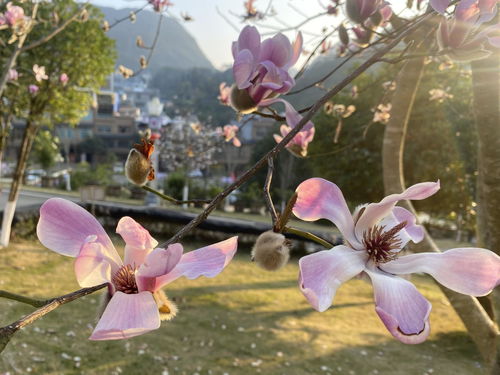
{"x":322,"y":199}
{"x":297,"y":50}
{"x":64,"y":227}
{"x":400,"y":306}
{"x":138,"y":241}
{"x":375,"y":212}
{"x":322,"y":273}
{"x":472,"y":271}
{"x":243,"y":68}
{"x":208,"y":261}
{"x":127,"y":315}
{"x":411,"y":232}
{"x":94,"y":266}
{"x":158,"y":263}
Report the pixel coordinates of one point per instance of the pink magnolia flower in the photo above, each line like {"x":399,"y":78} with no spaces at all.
{"x":462,"y":38}
{"x":39,"y":73}
{"x":382,"y":113}
{"x":260,"y":69}
{"x":158,"y":5}
{"x":359,"y":11}
{"x":297,"y":145}
{"x":439,"y":95}
{"x":63,"y":78}
{"x":12,"y":75}
{"x":68,"y":229}
{"x":229,"y":133}
{"x":224,"y":94}
{"x":13,"y":16}
{"x":33,"y":89}
{"x":374,"y":236}
{"x":487,"y":8}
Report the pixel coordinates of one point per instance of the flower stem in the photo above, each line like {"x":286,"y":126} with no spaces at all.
{"x":23,"y":299}
{"x":309,"y":236}
{"x":171,"y":199}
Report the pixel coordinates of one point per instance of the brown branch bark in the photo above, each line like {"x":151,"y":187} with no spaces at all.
{"x":7,"y":332}
{"x":480,"y":327}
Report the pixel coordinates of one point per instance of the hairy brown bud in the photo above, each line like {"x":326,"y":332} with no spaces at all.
{"x":168,"y":309}
{"x":143,"y":62}
{"x":132,"y":17}
{"x":139,"y":42}
{"x":271,"y":251}
{"x":343,"y":35}
{"x":241,"y":101}
{"x":138,"y":167}
{"x":105,"y":26}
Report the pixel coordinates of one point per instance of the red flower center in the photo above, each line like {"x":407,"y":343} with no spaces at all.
{"x":124,"y":280}
{"x":380,"y":245}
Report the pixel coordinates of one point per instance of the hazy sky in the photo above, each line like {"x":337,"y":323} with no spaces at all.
{"x":214,"y":35}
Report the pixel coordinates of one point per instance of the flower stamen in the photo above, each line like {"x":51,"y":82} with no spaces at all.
{"x":380,"y":245}
{"x":124,"y":280}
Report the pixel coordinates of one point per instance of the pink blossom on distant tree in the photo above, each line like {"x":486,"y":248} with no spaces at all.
{"x":137,"y":303}
{"x":63,"y":78}
{"x":260,"y":69}
{"x":13,"y":16}
{"x":224,"y":94}
{"x":374,"y":236}
{"x":33,"y":89}
{"x":158,"y":5}
{"x":299,"y":143}
{"x":229,"y":133}
{"x":12,"y":75}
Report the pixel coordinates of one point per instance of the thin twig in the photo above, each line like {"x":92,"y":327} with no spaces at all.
{"x":267,"y":192}
{"x":309,"y":236}
{"x":136,"y":12}
{"x":280,"y":146}
{"x":23,"y":299}
{"x":173,"y":200}
{"x":7,"y":332}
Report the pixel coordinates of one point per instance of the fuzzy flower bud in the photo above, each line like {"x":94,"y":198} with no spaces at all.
{"x":271,"y":251}
{"x":138,"y":167}
{"x":168,"y":309}
{"x":241,"y":101}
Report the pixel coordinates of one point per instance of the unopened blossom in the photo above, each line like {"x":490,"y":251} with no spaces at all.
{"x":299,"y":143}
{"x":33,"y":89}
{"x":382,"y":113}
{"x":363,"y":36}
{"x":389,"y":85}
{"x":12,"y":75}
{"x":374,"y":236}
{"x":464,"y":38}
{"x":134,"y":283}
{"x":439,"y":95}
{"x":224,"y":94}
{"x":260,"y":69}
{"x":359,"y":11}
{"x":271,"y":251}
{"x":158,"y":5}
{"x":63,"y":78}
{"x":39,"y":72}
{"x":229,"y":133}
{"x":138,"y":166}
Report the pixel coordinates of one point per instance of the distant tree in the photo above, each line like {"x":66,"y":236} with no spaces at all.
{"x":85,"y":55}
{"x":45,"y":149}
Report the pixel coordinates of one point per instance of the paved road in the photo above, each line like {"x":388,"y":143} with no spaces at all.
{"x":27,"y":198}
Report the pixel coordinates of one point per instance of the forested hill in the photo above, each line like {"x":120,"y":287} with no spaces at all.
{"x":176,"y":48}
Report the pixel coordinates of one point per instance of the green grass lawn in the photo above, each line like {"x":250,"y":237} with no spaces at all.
{"x":245,"y":321}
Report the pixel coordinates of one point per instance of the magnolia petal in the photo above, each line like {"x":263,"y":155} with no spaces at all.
{"x":321,"y":199}
{"x":277,"y":50}
{"x":297,"y":50}
{"x":374,"y":212}
{"x":243,"y":69}
{"x":400,"y":306}
{"x":64,"y":227}
{"x":472,"y":271}
{"x":440,"y":5}
{"x":138,"y":241}
{"x":323,"y":272}
{"x":249,"y":39}
{"x":94,"y":266}
{"x":411,"y":232}
{"x":158,"y":263}
{"x":208,"y":261}
{"x":127,"y":315}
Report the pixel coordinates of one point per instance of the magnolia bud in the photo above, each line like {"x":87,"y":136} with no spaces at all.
{"x":343,"y":35}
{"x":167,"y":309}
{"x":241,"y":101}
{"x":143,"y":62}
{"x":132,"y":17}
{"x":139,"y":42}
{"x":105,"y":26}
{"x":138,"y":167}
{"x":271,"y":251}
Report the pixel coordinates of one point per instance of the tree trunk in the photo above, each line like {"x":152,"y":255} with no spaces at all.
{"x":481,"y":328}
{"x":22,"y":160}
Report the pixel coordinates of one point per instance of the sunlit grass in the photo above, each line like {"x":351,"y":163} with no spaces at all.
{"x":245,"y":321}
